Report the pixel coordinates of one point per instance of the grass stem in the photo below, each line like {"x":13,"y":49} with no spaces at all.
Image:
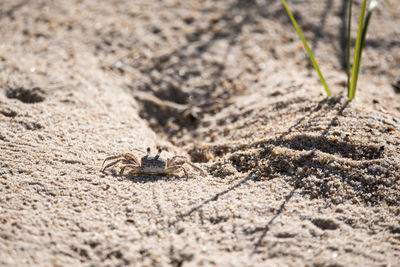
{"x":348,"y":48}
{"x":357,"y":54}
{"x":307,"y":49}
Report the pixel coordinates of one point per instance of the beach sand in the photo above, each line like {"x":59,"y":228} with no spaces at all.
{"x":293,"y":178}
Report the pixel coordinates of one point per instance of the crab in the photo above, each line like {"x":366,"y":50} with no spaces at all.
{"x":150,"y":165}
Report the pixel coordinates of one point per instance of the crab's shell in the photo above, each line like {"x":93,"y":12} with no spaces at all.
{"x":154,"y":164}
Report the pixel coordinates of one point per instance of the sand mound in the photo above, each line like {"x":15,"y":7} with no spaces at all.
{"x":326,"y":149}
{"x":293,"y":178}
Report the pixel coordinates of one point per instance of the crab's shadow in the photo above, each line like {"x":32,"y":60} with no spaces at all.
{"x":142,"y":179}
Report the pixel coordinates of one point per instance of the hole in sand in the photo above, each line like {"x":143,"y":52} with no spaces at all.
{"x":25,"y":95}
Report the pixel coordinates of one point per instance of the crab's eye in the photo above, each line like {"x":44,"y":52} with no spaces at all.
{"x":148,"y":149}
{"x":159,"y":151}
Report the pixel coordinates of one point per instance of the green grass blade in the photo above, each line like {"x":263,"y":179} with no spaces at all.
{"x":307,"y":48}
{"x":371,"y":8}
{"x":357,"y":55}
{"x":359,"y":48}
{"x":348,"y":66}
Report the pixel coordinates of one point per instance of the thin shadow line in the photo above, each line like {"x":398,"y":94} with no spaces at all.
{"x":214,"y":198}
{"x":295,"y":125}
{"x":336,"y":117}
{"x":265,"y":229}
{"x":319,"y":33}
{"x":343,"y":34}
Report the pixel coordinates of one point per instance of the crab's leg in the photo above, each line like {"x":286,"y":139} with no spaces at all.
{"x":186,"y":173}
{"x":115,"y":162}
{"x":195,"y":167}
{"x":172,"y":169}
{"x":109,"y":158}
{"x":133,"y":167}
{"x":131,"y":157}
{"x":127,"y":156}
{"x":171,"y":162}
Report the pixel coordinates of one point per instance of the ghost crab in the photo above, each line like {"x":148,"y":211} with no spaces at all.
{"x":150,"y":165}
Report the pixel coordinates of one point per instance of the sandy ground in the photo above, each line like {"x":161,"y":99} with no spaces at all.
{"x":292,"y":178}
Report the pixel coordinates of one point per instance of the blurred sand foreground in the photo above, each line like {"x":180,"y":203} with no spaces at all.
{"x":293,"y":178}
